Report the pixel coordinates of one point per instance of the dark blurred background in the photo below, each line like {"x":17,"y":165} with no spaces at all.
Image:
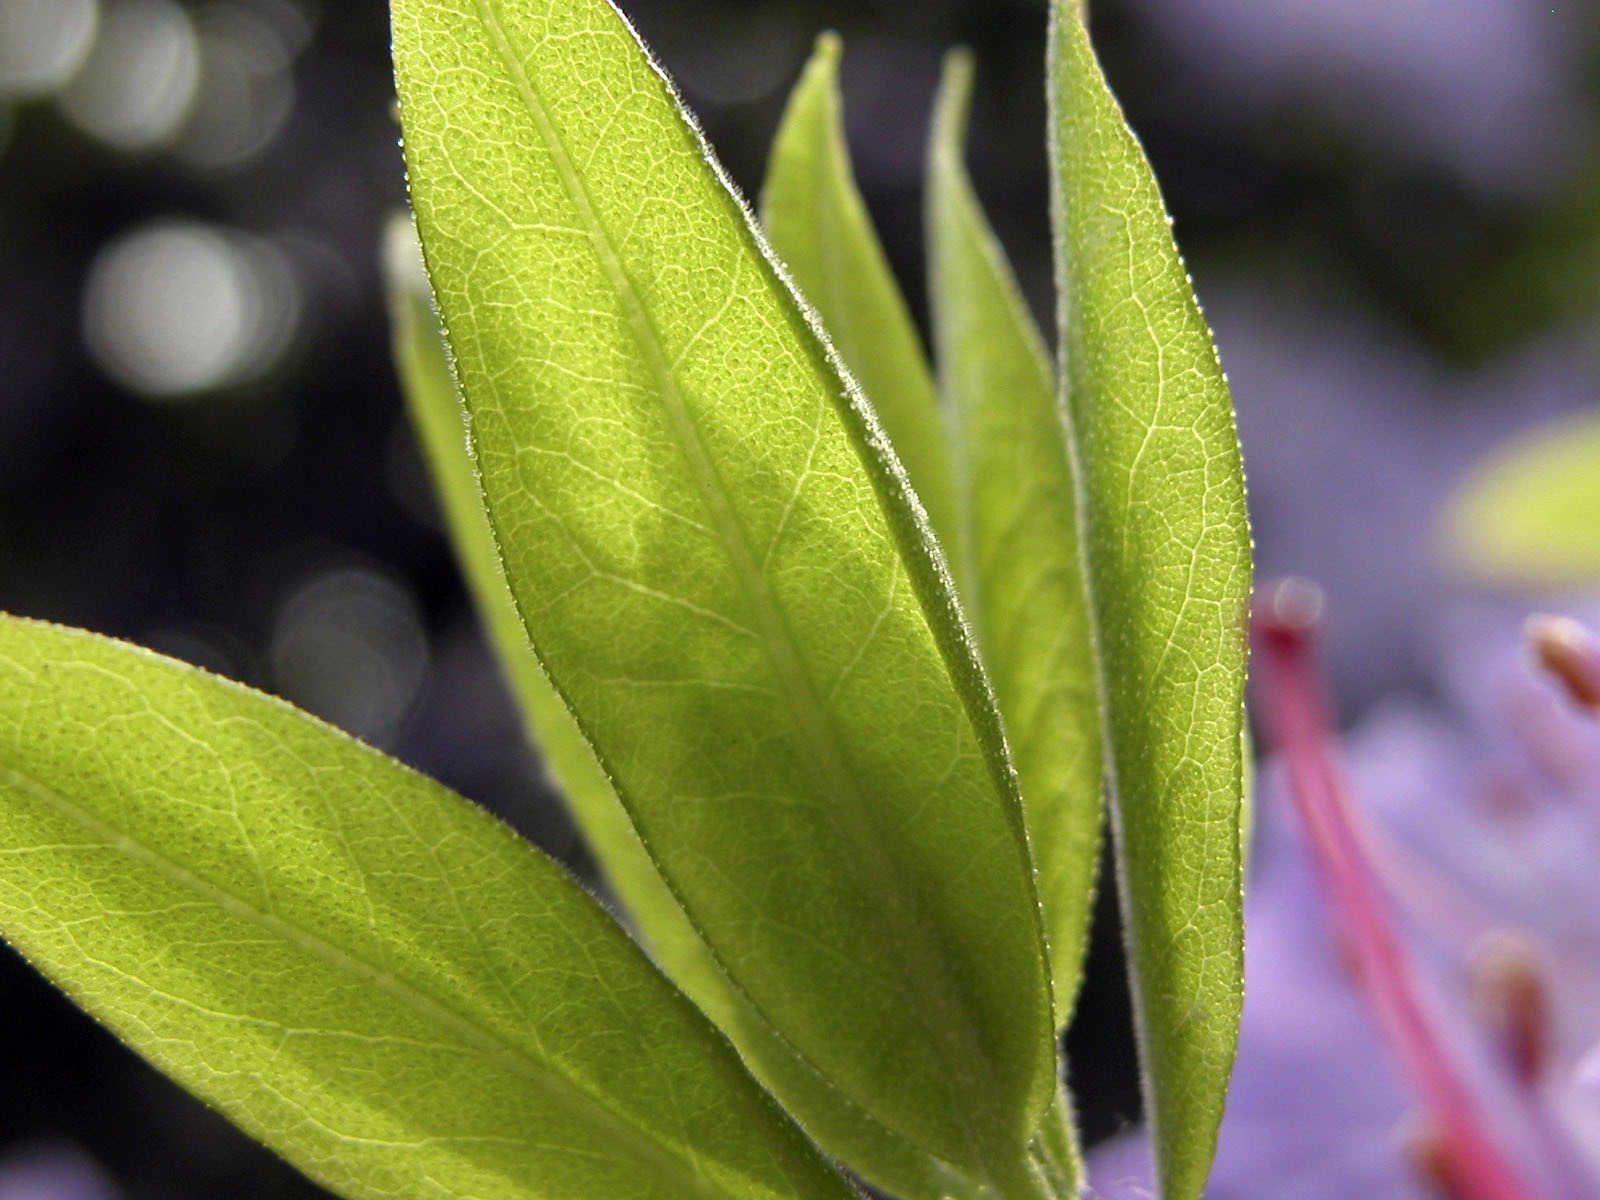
{"x":1391,"y":209}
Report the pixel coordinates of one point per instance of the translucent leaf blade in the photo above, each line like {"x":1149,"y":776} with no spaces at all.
{"x":709,"y":546}
{"x":369,"y":974}
{"x":850,"y":1132}
{"x":1168,"y":559}
{"x":440,"y":423}
{"x":820,"y":227}
{"x":1019,"y":579}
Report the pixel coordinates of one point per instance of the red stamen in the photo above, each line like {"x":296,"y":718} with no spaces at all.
{"x":1296,"y":715}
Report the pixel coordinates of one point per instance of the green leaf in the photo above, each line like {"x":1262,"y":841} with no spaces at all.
{"x":440,"y":422}
{"x":374,"y":977}
{"x":1529,"y":514}
{"x":819,"y":225}
{"x":1019,"y":578}
{"x":713,"y":554}
{"x":664,"y":929}
{"x":1162,"y":514}
{"x":851,"y":1133}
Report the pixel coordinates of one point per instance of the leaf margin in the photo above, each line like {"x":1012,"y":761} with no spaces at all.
{"x":903,"y":518}
{"x":1064,"y":829}
{"x":1187,"y":1001}
{"x":165,"y":693}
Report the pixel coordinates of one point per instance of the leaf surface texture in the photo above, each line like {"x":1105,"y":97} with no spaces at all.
{"x":817,"y":219}
{"x":1020,"y":579}
{"x":1167,"y":555}
{"x":363,"y":970}
{"x":711,"y":548}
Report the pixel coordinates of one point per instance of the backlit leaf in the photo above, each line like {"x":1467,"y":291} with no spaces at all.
{"x":431,"y":394}
{"x":820,"y":227}
{"x":711,"y":549}
{"x":1019,"y":578}
{"x":1162,"y":513}
{"x":436,"y":412}
{"x":440,"y":422}
{"x":371,"y":975}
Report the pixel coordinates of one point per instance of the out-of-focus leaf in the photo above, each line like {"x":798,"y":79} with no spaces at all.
{"x":820,"y":227}
{"x":1529,"y":515}
{"x":365,"y":971}
{"x":709,"y":546}
{"x":1019,"y":577}
{"x":1162,"y":512}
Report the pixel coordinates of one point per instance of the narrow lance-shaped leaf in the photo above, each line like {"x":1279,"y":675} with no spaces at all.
{"x":714,"y":556}
{"x":440,"y":422}
{"x":851,"y":1133}
{"x":1019,"y":578}
{"x":820,"y":227}
{"x":1167,"y":554}
{"x":368,"y":973}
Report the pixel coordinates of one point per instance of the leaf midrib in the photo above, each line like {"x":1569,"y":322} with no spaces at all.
{"x":811,"y":717}
{"x":513,"y":1059}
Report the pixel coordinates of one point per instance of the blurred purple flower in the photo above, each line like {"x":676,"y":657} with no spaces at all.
{"x":1356,"y":440}
{"x":1490,"y":90}
{"x":1422,"y":1013}
{"x":52,"y":1172}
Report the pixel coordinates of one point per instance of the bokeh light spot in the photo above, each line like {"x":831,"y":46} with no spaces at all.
{"x":245,"y":90}
{"x":348,"y":645}
{"x":138,"y":83}
{"x":179,"y":309}
{"x":42,"y":42}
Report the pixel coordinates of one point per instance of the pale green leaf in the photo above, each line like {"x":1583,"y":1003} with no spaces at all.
{"x":1019,"y":576}
{"x":440,"y":422}
{"x":1162,"y":513}
{"x":1529,"y":514}
{"x":713,"y":555}
{"x":374,"y":977}
{"x":819,"y":225}
{"x":665,"y":930}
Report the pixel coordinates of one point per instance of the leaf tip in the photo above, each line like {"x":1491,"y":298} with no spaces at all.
{"x":954,"y":100}
{"x":826,"y":52}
